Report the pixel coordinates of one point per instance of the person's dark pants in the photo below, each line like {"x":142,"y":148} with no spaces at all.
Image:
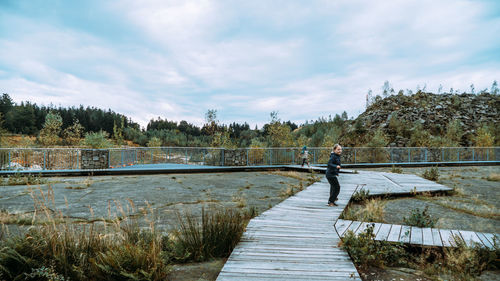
{"x":334,"y":188}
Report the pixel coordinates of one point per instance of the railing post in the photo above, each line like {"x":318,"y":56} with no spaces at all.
{"x":426,"y":154}
{"x":442,"y":154}
{"x":409,"y":155}
{"x":186,"y":154}
{"x":151,"y":155}
{"x":314,"y":157}
{"x":9,"y":158}
{"x":44,"y":158}
{"x":458,"y":155}
{"x":109,"y":157}
{"x":247,"y":155}
{"x":473,"y":153}
{"x":354,"y":155}
{"x":487,"y":154}
{"x":121,"y":157}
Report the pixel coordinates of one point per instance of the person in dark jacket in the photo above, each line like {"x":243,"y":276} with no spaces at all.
{"x":332,"y":171}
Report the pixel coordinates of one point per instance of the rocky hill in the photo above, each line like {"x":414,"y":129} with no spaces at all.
{"x":433,"y":111}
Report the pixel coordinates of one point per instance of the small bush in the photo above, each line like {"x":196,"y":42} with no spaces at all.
{"x":312,"y":178}
{"x":467,"y":262}
{"x":361,"y":195}
{"x":19,"y":179}
{"x":366,"y":251}
{"x":97,"y":140}
{"x":431,"y":174}
{"x":420,"y":218}
{"x":215,"y":236}
{"x":371,"y":211}
{"x":396,"y":170}
{"x":493,"y":177}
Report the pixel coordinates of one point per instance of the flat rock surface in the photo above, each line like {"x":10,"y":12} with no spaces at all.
{"x":88,"y":198}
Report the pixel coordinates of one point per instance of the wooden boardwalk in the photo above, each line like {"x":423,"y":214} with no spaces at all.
{"x":297,"y":240}
{"x":380,"y":183}
{"x":416,"y":235}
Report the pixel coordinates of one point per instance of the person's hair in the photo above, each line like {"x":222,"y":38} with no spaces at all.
{"x":335,"y":146}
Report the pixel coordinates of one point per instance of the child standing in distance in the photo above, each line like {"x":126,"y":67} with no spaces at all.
{"x":332,"y":171}
{"x":305,"y":156}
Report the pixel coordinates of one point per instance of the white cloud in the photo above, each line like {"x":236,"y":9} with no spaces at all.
{"x":247,"y":59}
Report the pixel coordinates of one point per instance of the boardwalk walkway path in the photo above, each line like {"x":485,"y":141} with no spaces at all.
{"x":297,"y":240}
{"x":418,"y":236}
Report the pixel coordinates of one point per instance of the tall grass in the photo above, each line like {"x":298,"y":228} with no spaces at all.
{"x":215,"y":235}
{"x":372,"y":210}
{"x":115,"y":248}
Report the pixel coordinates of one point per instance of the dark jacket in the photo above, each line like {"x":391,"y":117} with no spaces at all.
{"x":334,"y":161}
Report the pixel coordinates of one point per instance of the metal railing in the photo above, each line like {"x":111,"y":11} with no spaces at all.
{"x":72,"y":158}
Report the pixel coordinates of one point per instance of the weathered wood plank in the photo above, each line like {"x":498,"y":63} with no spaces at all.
{"x":427,"y":239}
{"x":353,"y":227}
{"x":341,"y":226}
{"x":394,"y":233}
{"x":416,"y":236}
{"x":383,"y":232}
{"x":405,"y":235}
{"x":485,"y":240}
{"x":471,"y":238}
{"x":362,"y":227}
{"x":446,"y":237}
{"x":491,"y":238}
{"x":436,"y":237}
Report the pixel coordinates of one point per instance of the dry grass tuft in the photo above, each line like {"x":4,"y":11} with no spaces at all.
{"x":493,"y":177}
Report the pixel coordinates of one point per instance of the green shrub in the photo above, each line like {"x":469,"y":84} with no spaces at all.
{"x":467,"y":262}
{"x":420,"y":218}
{"x":361,"y":195}
{"x":97,"y":140}
{"x":19,"y":179}
{"x":366,"y":251}
{"x":431,"y":174}
{"x":396,"y":170}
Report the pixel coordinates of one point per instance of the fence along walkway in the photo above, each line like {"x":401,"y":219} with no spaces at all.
{"x":417,"y":235}
{"x":295,"y":239}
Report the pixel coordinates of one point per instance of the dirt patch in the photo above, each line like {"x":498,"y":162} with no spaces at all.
{"x":202,"y":271}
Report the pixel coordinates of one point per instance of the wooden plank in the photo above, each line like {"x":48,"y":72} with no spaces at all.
{"x":416,"y":235}
{"x":394,"y":233}
{"x":353,"y":227}
{"x":446,"y":237}
{"x":376,"y":228}
{"x":436,"y":237}
{"x":427,"y":237}
{"x":383,"y":232}
{"x":341,"y":226}
{"x":405,"y":235}
{"x":362,"y":227}
{"x":490,"y":238}
{"x":485,"y":240}
{"x":456,"y":237}
{"x":471,"y":238}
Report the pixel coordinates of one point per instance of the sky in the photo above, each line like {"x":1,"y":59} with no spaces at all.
{"x":303,"y":59}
